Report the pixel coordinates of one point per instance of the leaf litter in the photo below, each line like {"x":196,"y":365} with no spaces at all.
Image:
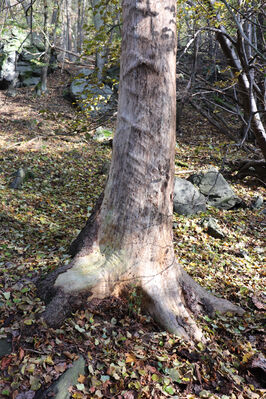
{"x":127,"y":355}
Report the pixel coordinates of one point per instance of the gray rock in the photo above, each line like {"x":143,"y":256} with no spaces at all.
{"x":102,"y":134}
{"x":215,"y":188}
{"x":257,"y":202}
{"x":25,"y":69}
{"x":8,"y":73}
{"x":5,"y":347}
{"x":187,"y":198}
{"x":212,"y":228}
{"x":81,"y":90}
{"x":20,"y":58}
{"x":59,"y":389}
{"x":19,"y":179}
{"x":31,"y":81}
{"x":84,"y":73}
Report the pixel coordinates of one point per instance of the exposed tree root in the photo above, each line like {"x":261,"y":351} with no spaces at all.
{"x":170,"y":295}
{"x":251,"y":167}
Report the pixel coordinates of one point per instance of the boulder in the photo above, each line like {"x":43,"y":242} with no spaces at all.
{"x":9,"y":48}
{"x":187,"y":198}
{"x":82,"y":89}
{"x":31,"y":81}
{"x":215,"y":188}
{"x":212,"y":227}
{"x":20,"y":57}
{"x":257,"y":202}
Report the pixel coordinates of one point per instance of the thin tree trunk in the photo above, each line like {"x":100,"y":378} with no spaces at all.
{"x":238,"y":60}
{"x":128,"y":238}
{"x":68,"y":29}
{"x":98,"y":21}
{"x":248,"y":96}
{"x":46,"y":58}
{"x":26,"y":7}
{"x":80,"y":23}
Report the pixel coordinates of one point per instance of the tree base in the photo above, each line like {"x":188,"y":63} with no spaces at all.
{"x":169,"y":295}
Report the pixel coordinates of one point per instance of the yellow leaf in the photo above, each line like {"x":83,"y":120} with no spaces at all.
{"x":130,"y":358}
{"x":81,"y":378}
{"x":49,"y":360}
{"x":247,"y":356}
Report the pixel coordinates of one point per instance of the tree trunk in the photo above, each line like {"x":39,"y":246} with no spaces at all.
{"x":46,"y":57}
{"x":236,"y":55}
{"x":26,"y":5}
{"x":80,"y":23}
{"x":98,"y":20}
{"x":128,"y":239}
{"x":247,"y":91}
{"x":69,"y":29}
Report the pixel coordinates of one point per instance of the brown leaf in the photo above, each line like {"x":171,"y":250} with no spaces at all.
{"x":69,"y":355}
{"x":5,"y":362}
{"x":60,"y":367}
{"x":259,"y":302}
{"x":151,"y":369}
{"x":21,"y":354}
{"x":129,"y":395}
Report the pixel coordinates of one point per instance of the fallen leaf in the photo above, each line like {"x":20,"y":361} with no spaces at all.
{"x":259,"y":301}
{"x":81,"y":378}
{"x":130,"y":358}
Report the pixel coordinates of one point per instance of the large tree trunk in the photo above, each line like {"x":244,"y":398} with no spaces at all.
{"x":128,"y":238}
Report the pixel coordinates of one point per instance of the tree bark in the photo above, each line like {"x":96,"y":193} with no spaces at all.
{"x":98,"y":20}
{"x":46,"y":57}
{"x":128,"y":238}
{"x":69,"y":28}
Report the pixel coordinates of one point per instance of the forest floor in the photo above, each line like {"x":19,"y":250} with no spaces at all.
{"x":127,"y":355}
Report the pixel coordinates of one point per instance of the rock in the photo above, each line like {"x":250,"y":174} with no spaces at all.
{"x":187,"y":198}
{"x":25,"y":70}
{"x":89,"y":96}
{"x":26,"y":395}
{"x":19,"y":178}
{"x":5,"y":347}
{"x":59,"y":389}
{"x":212,"y":228}
{"x":8,"y":73}
{"x":215,"y":188}
{"x":257,"y":202}
{"x":32,"y":81}
{"x":103,"y":135}
{"x":20,"y":57}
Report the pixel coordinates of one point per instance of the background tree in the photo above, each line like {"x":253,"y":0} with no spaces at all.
{"x":128,"y":238}
{"x":229,"y":89}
